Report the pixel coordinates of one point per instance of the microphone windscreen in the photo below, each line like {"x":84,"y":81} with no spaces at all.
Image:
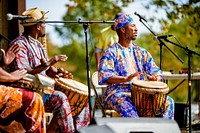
{"x":155,"y":38}
{"x":9,"y":16}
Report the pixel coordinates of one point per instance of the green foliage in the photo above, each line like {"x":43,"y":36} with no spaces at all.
{"x":183,"y":22}
{"x":86,"y":11}
{"x":74,"y":33}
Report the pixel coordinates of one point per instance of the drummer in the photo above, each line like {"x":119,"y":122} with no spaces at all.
{"x":33,"y":58}
{"x":124,"y":62}
{"x":18,"y":106}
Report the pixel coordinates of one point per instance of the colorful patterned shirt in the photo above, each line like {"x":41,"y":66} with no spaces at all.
{"x":114,"y":63}
{"x":30,"y":54}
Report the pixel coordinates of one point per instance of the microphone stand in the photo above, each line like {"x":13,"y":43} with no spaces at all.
{"x":85,"y":26}
{"x":161,"y":44}
{"x":189,"y":53}
{"x":2,"y":36}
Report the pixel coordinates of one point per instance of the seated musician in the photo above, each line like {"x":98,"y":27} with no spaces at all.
{"x":124,"y":62}
{"x":20,"y":110}
{"x":33,"y":58}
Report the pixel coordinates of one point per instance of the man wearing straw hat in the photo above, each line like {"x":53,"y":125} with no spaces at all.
{"x":33,"y":58}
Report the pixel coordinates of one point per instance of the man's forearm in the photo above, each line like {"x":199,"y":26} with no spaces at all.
{"x":37,"y":70}
{"x":116,"y":79}
{"x":98,"y":56}
{"x":4,"y":76}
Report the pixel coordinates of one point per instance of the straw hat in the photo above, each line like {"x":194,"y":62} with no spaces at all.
{"x":36,"y":16}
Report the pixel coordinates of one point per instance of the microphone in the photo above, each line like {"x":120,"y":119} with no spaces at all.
{"x":162,"y":37}
{"x":140,"y":16}
{"x":10,"y":17}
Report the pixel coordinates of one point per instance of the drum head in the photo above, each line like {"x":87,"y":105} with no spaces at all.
{"x":45,"y":81}
{"x":73,"y":84}
{"x":150,"y":84}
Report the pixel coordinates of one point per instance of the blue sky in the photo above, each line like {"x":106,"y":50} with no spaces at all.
{"x":57,"y":9}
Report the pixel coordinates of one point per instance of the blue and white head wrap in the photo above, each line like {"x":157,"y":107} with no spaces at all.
{"x":122,"y":20}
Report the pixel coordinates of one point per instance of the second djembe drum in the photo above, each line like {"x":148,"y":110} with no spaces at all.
{"x":149,"y":97}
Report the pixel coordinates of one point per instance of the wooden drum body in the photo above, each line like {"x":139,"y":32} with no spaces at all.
{"x":25,"y":83}
{"x":76,"y":92}
{"x":149,"y":97}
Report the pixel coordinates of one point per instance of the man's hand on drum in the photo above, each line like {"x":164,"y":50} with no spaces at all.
{"x":60,"y":72}
{"x":16,"y":75}
{"x":130,"y":77}
{"x":64,"y":73}
{"x":154,"y":78}
{"x":9,"y":55}
{"x":55,"y":59}
{"x":121,"y":79}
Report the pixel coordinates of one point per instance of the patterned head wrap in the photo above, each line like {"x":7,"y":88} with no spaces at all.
{"x":122,"y":20}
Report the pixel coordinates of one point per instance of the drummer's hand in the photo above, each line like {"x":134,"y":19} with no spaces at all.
{"x":52,"y":72}
{"x":55,"y":59}
{"x":18,"y":74}
{"x":64,"y":73}
{"x":10,"y":54}
{"x":130,"y":77}
{"x":153,"y":78}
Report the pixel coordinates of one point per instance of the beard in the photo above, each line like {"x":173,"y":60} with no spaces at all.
{"x":131,"y":38}
{"x":43,"y":35}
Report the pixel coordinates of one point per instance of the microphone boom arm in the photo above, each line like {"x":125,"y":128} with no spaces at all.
{"x":161,"y":44}
{"x":185,"y":48}
{"x":78,"y":21}
{"x":173,"y":52}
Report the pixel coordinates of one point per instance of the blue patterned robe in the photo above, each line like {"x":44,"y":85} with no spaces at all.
{"x":114,"y":63}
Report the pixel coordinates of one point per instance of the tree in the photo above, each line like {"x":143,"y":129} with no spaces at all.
{"x":73,"y":34}
{"x":186,"y":15}
{"x":90,"y":10}
{"x":182,"y":19}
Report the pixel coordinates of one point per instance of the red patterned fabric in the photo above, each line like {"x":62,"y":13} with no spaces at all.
{"x":21,"y":111}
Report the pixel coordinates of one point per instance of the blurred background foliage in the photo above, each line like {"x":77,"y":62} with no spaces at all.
{"x":182,"y":20}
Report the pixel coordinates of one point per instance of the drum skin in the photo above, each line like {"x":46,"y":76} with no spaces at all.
{"x":149,"y":97}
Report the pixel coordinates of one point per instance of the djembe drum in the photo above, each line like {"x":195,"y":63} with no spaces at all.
{"x":36,"y":83}
{"x":76,"y":92}
{"x":149,"y":97}
{"x":25,"y":83}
